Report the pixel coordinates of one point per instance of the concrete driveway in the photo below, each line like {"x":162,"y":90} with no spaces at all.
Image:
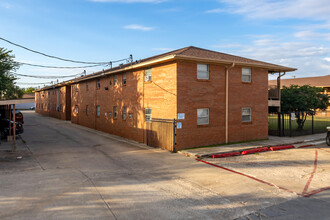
{"x":71,"y":172}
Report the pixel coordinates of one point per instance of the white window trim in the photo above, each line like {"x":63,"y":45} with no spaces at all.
{"x":208,"y":116}
{"x":208,"y":71}
{"x":250,"y":109}
{"x":244,"y":74}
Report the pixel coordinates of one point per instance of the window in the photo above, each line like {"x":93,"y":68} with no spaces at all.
{"x":114,"y":111}
{"x":148,"y":75}
{"x":147,"y":114}
{"x":98,"y":83}
{"x":61,"y":107}
{"x":76,"y":109}
{"x":246,"y":114}
{"x":115,"y":80}
{"x":110,"y":114}
{"x":124,"y":78}
{"x":76,"y":86}
{"x":203,"y":116}
{"x":124,"y":112}
{"x":246,"y":74}
{"x":98,"y":111}
{"x":86,"y":109}
{"x":86,"y":85}
{"x":203,"y":71}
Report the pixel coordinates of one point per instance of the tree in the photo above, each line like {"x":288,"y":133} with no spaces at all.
{"x":8,"y":89}
{"x":29,"y":90}
{"x":304,"y":101}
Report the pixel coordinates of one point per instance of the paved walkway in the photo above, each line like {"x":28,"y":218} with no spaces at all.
{"x":272,"y":141}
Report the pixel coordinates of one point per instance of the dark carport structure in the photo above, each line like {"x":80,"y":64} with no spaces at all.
{"x":10,"y":104}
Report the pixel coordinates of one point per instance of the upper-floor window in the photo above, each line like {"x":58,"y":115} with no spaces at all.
{"x":203,"y":116}
{"x":86,"y":85}
{"x":246,"y":114}
{"x":148,"y":75}
{"x":147,"y":114}
{"x":124,"y":112}
{"x":124,"y":78}
{"x":115,"y":80}
{"x":76,"y":86}
{"x":246,"y":74}
{"x":203,"y":71}
{"x":98,"y":84}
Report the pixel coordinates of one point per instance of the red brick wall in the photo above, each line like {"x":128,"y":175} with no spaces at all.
{"x":194,"y":94}
{"x":160,"y":95}
{"x":46,"y":102}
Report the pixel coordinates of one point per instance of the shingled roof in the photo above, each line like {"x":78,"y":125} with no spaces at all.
{"x":319,"y":81}
{"x":187,"y":53}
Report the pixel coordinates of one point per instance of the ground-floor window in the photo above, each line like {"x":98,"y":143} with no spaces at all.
{"x":76,"y":109}
{"x":147,"y":114}
{"x":114,"y":111}
{"x":246,"y":114}
{"x":98,"y":111}
{"x":86,"y":109}
{"x":203,"y":116}
{"x":124,"y":112}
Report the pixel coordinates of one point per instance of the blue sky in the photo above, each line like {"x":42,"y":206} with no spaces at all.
{"x":293,"y":33}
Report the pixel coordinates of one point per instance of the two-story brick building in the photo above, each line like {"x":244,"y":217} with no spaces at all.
{"x":218,"y":97}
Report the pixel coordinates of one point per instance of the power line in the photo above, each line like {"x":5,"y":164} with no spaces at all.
{"x":59,"y":58}
{"x":59,"y":67}
{"x":21,"y":83}
{"x":46,"y":77}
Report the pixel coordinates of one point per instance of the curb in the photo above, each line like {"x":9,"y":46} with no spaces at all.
{"x":259,"y":150}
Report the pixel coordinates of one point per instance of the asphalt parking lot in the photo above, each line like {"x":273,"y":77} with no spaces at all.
{"x":303,"y":171}
{"x":71,"y":172}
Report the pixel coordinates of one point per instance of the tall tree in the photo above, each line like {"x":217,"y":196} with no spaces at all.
{"x":8,"y":89}
{"x":304,"y":101}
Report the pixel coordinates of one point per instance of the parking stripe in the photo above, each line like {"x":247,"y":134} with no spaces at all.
{"x":251,"y":177}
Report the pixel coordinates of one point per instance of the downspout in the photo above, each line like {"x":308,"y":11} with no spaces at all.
{"x":227,"y":99}
{"x":279,"y":88}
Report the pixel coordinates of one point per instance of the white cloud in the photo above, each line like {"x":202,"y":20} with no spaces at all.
{"x":311,"y":35}
{"x":266,"y":9}
{"x":138,"y":27}
{"x":163,"y":49}
{"x":310,"y":58}
{"x":129,"y":1}
{"x":216,"y":10}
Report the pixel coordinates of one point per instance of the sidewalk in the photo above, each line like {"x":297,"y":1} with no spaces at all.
{"x":272,"y":141}
{"x":6,"y":154}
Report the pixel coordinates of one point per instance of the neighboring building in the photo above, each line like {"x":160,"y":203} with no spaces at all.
{"x":54,"y":101}
{"x":24,"y":106}
{"x":318,"y":81}
{"x":220,"y":98}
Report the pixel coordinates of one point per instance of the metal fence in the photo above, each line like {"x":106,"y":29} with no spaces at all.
{"x":286,"y":124}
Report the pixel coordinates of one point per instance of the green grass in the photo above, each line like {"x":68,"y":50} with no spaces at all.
{"x":218,"y":145}
{"x":320,"y":123}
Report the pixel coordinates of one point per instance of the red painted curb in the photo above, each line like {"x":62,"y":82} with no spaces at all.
{"x":281,"y":147}
{"x":256,"y":150}
{"x":310,"y":145}
{"x":226,"y":154}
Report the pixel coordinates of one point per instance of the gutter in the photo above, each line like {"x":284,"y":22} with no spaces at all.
{"x":227,"y":98}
